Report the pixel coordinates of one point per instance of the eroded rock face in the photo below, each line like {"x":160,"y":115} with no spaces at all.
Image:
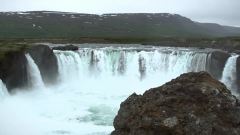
{"x":44,"y":57}
{"x":13,"y":70}
{"x":216,"y":63}
{"x":238,"y":73}
{"x":192,"y":104}
{"x":13,"y":66}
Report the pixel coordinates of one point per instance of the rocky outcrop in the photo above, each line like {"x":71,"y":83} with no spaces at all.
{"x":13,"y":70}
{"x":238,"y":74}
{"x":66,"y":48}
{"x":46,"y":61}
{"x":216,"y":63}
{"x":192,"y":104}
{"x":13,"y":66}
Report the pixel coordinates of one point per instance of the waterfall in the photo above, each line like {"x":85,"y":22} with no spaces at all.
{"x":3,"y":89}
{"x":121,"y":62}
{"x":93,"y":81}
{"x":34,"y":74}
{"x":229,"y":73}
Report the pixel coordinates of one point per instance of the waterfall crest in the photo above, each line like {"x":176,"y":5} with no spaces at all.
{"x":229,"y":73}
{"x":34,"y":74}
{"x":132,"y":63}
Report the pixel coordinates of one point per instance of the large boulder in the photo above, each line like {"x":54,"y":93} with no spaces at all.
{"x":13,"y":70}
{"x":66,"y":48}
{"x":46,"y":61}
{"x":238,"y":74}
{"x":216,"y":63}
{"x":192,"y":104}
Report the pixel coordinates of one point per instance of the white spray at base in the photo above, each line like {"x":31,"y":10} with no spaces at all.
{"x":104,"y":77}
{"x":34,"y":74}
{"x":92,"y":84}
{"x":19,"y":113}
{"x":229,"y":75}
{"x":3,"y":90}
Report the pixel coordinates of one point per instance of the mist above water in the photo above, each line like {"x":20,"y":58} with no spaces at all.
{"x":91,"y":85}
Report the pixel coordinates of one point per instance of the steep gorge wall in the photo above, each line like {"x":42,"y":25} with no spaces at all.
{"x":238,"y":73}
{"x":14,"y":69}
{"x":216,"y":63}
{"x":46,"y":62}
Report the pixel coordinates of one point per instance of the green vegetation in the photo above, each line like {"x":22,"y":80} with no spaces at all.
{"x":6,"y":47}
{"x":37,"y":25}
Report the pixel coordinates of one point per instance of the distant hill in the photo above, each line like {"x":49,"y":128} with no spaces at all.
{"x":50,"y":24}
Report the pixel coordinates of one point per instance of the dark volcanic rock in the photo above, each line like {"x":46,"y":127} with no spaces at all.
{"x":238,"y":73}
{"x":66,"y":48}
{"x":216,"y":63}
{"x":192,"y":104}
{"x":44,"y":57}
{"x":13,"y":70}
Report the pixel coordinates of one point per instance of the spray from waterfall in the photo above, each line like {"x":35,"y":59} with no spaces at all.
{"x":93,"y":83}
{"x":34,"y":74}
{"x":229,"y":73}
{"x":129,"y":63}
{"x":3,"y":89}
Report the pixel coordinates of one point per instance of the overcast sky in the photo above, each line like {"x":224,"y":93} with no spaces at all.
{"x":226,"y":12}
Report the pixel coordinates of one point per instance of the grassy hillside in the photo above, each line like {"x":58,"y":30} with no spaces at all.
{"x":45,"y":24}
{"x":6,"y":47}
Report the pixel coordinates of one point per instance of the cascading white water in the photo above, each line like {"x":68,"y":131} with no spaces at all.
{"x":3,"y":90}
{"x":34,"y":74}
{"x":229,"y":75}
{"x":103,"y":77}
{"x":92,"y":84}
{"x":107,"y":62}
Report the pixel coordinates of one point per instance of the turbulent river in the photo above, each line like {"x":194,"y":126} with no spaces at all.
{"x":92,"y":83}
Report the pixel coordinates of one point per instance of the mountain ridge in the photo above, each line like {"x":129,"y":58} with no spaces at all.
{"x":55,"y":24}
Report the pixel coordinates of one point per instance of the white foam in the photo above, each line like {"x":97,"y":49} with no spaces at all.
{"x":34,"y":74}
{"x":229,"y":75}
{"x":92,"y":84}
{"x":3,"y":90}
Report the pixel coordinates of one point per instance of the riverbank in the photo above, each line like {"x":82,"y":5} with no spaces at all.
{"x":231,"y":44}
